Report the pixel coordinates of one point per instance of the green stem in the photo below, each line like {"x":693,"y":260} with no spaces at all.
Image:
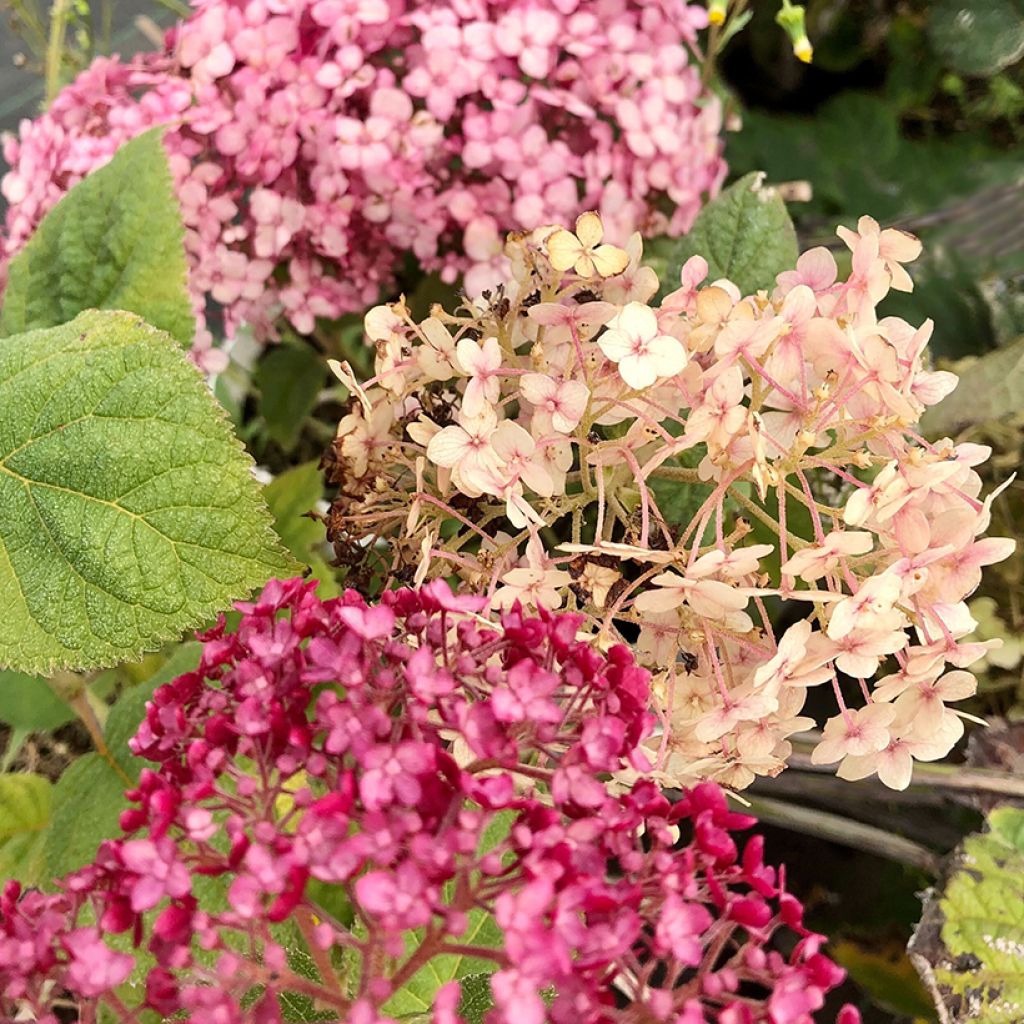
{"x":55,"y":47}
{"x":322,"y":959}
{"x":72,"y":688}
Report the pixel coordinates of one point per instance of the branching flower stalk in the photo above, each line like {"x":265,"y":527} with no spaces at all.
{"x":681,"y":472}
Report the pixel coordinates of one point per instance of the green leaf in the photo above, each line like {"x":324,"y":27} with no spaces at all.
{"x":417,"y":996}
{"x":977,"y":37}
{"x":416,"y":999}
{"x":477,"y":998}
{"x":745,"y":234}
{"x":990,"y":388}
{"x":130,"y":513}
{"x":15,"y":740}
{"x":115,"y":241}
{"x":89,"y":796}
{"x":290,"y":496}
{"x":680,"y":500}
{"x":969,"y":947}
{"x":883,"y":969}
{"x":289,"y":378}
{"x":25,"y":808}
{"x":87,"y":803}
{"x":28,"y":703}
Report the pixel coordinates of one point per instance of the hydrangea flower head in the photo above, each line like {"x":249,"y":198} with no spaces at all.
{"x":396,"y":784}
{"x":674,"y":471}
{"x":317,"y":144}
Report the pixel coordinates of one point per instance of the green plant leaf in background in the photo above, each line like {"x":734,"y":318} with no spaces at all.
{"x":990,"y":388}
{"x":977,"y":37}
{"x":290,"y":496}
{"x":129,"y":510}
{"x":115,"y":241}
{"x":27,"y":702}
{"x":28,"y":705}
{"x":89,"y":796}
{"x":958,"y":192}
{"x":87,"y":802}
{"x":883,"y":969}
{"x":745,"y":234}
{"x":416,"y":997}
{"x":414,"y":1001}
{"x":25,"y":802}
{"x":289,"y":378}
{"x":969,"y":947}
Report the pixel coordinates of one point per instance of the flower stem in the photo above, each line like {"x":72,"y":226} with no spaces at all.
{"x":304,"y":919}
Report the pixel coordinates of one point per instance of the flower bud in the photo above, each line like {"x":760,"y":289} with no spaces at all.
{"x":717,"y":11}
{"x":791,"y":18}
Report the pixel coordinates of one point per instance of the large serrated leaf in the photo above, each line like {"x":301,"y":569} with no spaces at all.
{"x":115,"y":241}
{"x":745,"y":234}
{"x":25,"y":808}
{"x":969,"y":947}
{"x":128,"y":512}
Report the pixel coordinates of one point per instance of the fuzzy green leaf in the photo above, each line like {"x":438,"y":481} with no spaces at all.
{"x":477,"y":998}
{"x":745,"y":234}
{"x":969,"y":947}
{"x":129,"y":510}
{"x":87,"y":803}
{"x":89,"y":796}
{"x":115,"y":241}
{"x":416,"y":998}
{"x":25,"y":808}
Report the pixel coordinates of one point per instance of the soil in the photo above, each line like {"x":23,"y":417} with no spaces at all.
{"x":48,"y":754}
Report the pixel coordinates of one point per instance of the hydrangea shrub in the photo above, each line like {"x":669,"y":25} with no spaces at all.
{"x":685,"y":472}
{"x":316,"y":143}
{"x":422,"y":768}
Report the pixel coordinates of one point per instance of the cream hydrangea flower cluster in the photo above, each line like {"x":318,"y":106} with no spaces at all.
{"x":537,"y":444}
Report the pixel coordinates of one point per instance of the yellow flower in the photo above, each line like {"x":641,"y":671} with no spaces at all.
{"x":583,"y":251}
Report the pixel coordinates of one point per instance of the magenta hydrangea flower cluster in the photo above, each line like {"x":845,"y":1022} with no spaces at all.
{"x":423,"y":768}
{"x":317,"y":142}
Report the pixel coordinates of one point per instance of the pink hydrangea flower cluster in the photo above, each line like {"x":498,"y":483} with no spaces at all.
{"x":534,"y":442}
{"x":316,"y":143}
{"x":427,"y":770}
